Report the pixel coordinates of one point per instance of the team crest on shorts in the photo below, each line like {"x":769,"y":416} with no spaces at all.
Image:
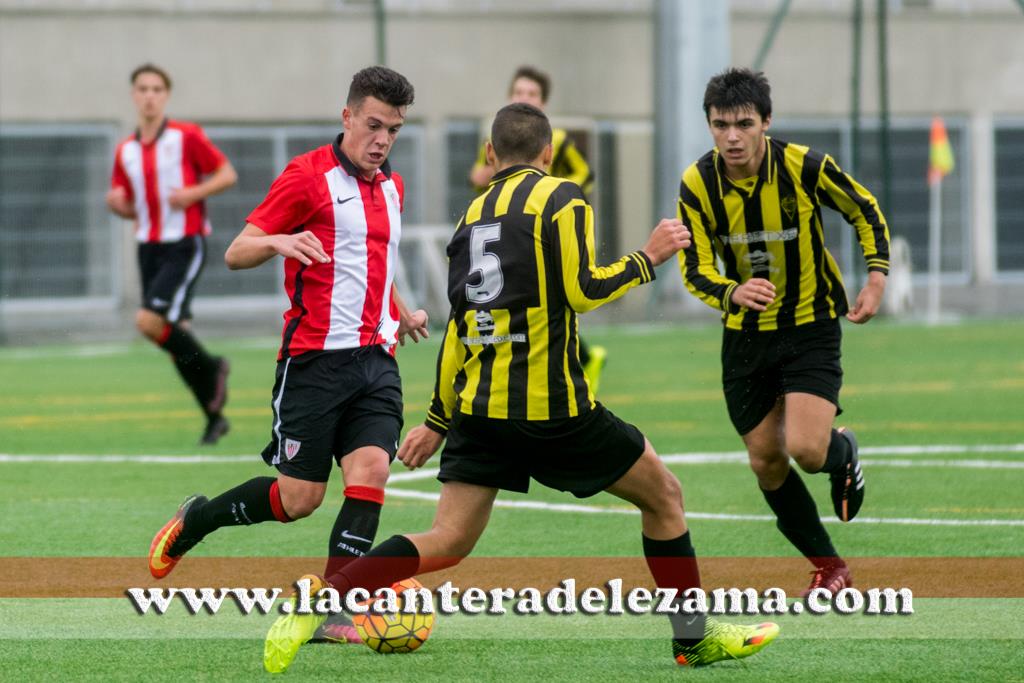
{"x":291,"y":448}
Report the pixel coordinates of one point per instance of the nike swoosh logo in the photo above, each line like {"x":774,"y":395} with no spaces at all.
{"x":347,"y":199}
{"x":352,"y":537}
{"x":158,"y":552}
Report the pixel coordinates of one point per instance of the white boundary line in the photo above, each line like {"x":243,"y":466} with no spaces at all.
{"x":596,"y":509}
{"x":695,"y":458}
{"x":159,"y":459}
{"x":674,"y":458}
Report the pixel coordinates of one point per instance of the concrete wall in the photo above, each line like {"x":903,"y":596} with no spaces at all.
{"x":276,"y":61}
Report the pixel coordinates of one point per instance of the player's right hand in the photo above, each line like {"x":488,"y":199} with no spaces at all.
{"x":118,"y":202}
{"x":669,"y":236}
{"x":420,"y":443}
{"x":755,"y":294}
{"x":303,"y":246}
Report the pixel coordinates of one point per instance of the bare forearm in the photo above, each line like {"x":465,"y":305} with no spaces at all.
{"x":249,"y":251}
{"x":220,"y":180}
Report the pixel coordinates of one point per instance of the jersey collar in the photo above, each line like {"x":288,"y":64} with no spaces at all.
{"x":159,"y":132}
{"x":765,"y":174}
{"x":514,"y":170}
{"x":351,"y":168}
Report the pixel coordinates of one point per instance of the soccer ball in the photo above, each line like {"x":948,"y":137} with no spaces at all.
{"x":393,"y":633}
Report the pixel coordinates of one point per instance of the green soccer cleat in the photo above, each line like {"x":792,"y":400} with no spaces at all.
{"x":291,"y":631}
{"x":725,"y":641}
{"x":338,"y":629}
{"x":594,"y":367}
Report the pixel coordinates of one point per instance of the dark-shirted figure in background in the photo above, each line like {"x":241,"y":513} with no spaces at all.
{"x":513,"y":401}
{"x":158,"y":182}
{"x":532,"y":86}
{"x":754,"y":202}
{"x":334,"y":215}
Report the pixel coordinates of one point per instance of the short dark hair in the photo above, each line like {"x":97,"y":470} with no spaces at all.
{"x":520,"y":132}
{"x":735,"y":89}
{"x":387,"y":85}
{"x":150,"y":68}
{"x":535,"y":75}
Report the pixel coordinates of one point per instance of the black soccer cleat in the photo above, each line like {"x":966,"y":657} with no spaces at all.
{"x":216,"y":427}
{"x":848,"y":482}
{"x":219,"y":388}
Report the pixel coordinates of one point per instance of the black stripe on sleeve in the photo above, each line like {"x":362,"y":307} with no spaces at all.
{"x":690,"y":259}
{"x":709,"y":176}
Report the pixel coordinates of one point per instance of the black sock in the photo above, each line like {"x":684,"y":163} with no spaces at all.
{"x":393,"y":560}
{"x":257,"y":500}
{"x":355,"y":527}
{"x":196,"y":367}
{"x":798,"y":520}
{"x":673,"y":564}
{"x":838,"y":452}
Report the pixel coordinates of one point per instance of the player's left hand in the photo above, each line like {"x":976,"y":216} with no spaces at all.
{"x":869,"y":299}
{"x":420,"y":443}
{"x":415,"y":326}
{"x":183,"y":197}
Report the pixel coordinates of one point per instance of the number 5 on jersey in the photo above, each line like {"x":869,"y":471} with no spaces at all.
{"x":484,"y":262}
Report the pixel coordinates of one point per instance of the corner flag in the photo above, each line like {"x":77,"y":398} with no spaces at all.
{"x":940,"y":154}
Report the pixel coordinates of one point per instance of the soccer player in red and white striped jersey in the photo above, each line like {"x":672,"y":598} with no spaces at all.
{"x":334,"y":214}
{"x":158,"y":182}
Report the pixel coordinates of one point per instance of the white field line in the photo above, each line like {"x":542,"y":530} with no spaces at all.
{"x":696,"y":458}
{"x":675,"y":458}
{"x":158,"y":459}
{"x":599,"y":509}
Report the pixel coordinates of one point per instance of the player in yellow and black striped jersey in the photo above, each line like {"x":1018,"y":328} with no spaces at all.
{"x":769,"y":226}
{"x":566,"y":162}
{"x":520,"y":269}
{"x":532,"y":86}
{"x":512,"y":400}
{"x":754,"y":203}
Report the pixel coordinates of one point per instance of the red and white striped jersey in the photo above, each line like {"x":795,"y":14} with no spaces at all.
{"x":178,"y":157}
{"x":346,"y":303}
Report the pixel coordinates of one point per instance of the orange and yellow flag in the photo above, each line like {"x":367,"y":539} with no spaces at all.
{"x":940,"y":154}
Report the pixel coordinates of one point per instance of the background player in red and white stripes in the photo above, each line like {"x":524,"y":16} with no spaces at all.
{"x":158,"y":182}
{"x":334,"y":214}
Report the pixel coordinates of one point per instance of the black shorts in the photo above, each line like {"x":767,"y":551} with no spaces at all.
{"x":760,"y":367}
{"x":169,"y":273}
{"x":327,"y":404}
{"x":583,"y":455}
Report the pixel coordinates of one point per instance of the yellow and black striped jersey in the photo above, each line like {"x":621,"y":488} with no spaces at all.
{"x":520,"y":267}
{"x":566,"y":161}
{"x":770,"y":227}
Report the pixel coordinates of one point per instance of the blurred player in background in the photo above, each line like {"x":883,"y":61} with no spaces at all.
{"x":532,"y":86}
{"x":754,"y":202}
{"x":513,"y":401}
{"x":158,"y":182}
{"x":334,"y":215}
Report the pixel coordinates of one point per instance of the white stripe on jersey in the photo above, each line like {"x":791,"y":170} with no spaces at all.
{"x":131,"y":161}
{"x":389,"y":328}
{"x":350,"y":260}
{"x":170,"y":176}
